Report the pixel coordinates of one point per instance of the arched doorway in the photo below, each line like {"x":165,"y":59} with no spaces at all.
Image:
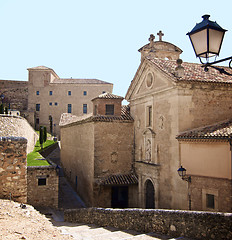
{"x":150,"y":194}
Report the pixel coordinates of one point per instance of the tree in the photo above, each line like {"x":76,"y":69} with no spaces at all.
{"x":41,"y":136}
{"x":45,"y":134}
{"x":51,"y":124}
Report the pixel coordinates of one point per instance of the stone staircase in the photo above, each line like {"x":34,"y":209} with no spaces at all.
{"x":92,"y":232}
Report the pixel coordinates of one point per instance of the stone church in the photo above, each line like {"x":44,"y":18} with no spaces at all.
{"x":168,"y":100}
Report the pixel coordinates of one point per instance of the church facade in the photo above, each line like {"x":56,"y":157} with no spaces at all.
{"x":166,"y":98}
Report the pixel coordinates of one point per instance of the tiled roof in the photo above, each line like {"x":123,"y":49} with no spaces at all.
{"x":221,"y":130}
{"x":125,"y":116}
{"x":108,"y":95}
{"x":79,"y":81}
{"x":119,"y":179}
{"x":192,"y":71}
{"x":67,"y":118}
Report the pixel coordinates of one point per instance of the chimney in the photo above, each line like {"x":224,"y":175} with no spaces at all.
{"x":179,"y":70}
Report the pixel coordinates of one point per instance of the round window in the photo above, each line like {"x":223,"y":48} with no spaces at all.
{"x":149,"y":80}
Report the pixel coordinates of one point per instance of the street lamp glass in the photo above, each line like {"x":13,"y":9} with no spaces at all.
{"x":206,"y":38}
{"x":181,"y":171}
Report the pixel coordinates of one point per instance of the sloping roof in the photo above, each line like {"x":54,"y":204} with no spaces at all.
{"x":108,"y":95}
{"x":125,"y":116}
{"x":221,"y":130}
{"x":67,"y":118}
{"x":192,"y":71}
{"x":119,"y":179}
{"x":79,"y":81}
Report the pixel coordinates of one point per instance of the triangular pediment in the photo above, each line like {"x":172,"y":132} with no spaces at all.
{"x":148,"y":80}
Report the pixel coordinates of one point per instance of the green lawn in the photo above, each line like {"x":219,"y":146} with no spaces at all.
{"x":34,"y":156}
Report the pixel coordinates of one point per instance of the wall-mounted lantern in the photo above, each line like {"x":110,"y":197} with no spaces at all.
{"x":182,"y":173}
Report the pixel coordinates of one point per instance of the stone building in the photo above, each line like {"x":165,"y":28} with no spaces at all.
{"x":42,"y":186}
{"x":206,"y":154}
{"x":14,"y":95}
{"x":49,"y":96}
{"x":45,"y":96}
{"x":96,"y":153}
{"x":166,"y":98}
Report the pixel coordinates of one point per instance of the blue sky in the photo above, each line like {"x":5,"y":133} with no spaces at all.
{"x":98,"y":38}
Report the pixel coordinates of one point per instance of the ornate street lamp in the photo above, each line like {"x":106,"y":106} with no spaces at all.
{"x":182,"y":173}
{"x":206,"y":38}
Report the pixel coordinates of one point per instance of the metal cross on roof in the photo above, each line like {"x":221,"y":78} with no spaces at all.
{"x":160,"y":34}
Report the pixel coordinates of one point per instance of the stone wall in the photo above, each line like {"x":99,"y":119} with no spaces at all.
{"x":218,"y":187}
{"x":196,"y":225}
{"x":77,"y":158}
{"x":18,"y":127}
{"x":42,"y":186}
{"x":13,"y":175}
{"x":15,"y":93}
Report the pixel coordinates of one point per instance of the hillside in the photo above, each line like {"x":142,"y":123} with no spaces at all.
{"x":25,"y":223}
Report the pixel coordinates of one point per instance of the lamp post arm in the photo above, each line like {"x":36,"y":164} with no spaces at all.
{"x":221,"y":70}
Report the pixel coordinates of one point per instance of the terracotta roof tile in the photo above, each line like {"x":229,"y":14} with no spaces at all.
{"x":108,"y":95}
{"x":67,"y":118}
{"x":221,"y":130}
{"x":119,"y":179}
{"x":125,"y":116}
{"x":192,"y":71}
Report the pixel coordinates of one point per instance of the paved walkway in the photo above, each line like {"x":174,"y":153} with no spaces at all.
{"x":68,"y":198}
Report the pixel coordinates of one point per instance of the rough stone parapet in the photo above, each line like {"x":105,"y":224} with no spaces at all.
{"x":16,"y":126}
{"x":176,"y":223}
{"x":13,"y":175}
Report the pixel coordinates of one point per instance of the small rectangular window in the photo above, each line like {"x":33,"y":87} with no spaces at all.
{"x":103,"y":92}
{"x":95,"y":109}
{"x":50,"y":93}
{"x":84,"y":108}
{"x":37,"y":121}
{"x":56,"y":103}
{"x":69,"y":93}
{"x":84,"y":93}
{"x":69,"y":108}
{"x":210,"y":201}
{"x":42,"y":181}
{"x":149,"y":116}
{"x":37,"y":92}
{"x":37,"y":107}
{"x":50,"y":104}
{"x":109,"y":109}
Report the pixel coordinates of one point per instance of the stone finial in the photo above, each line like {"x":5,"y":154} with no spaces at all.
{"x":160,"y":34}
{"x":151,"y":39}
{"x":179,"y":70}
